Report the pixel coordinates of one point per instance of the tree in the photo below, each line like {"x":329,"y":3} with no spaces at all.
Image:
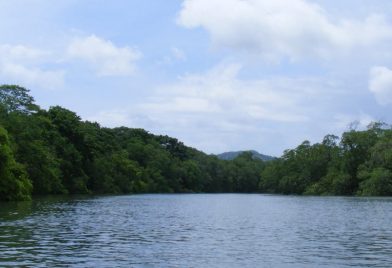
{"x":14,"y":184}
{"x":375,"y":175}
{"x":378,"y":182}
{"x":17,"y":99}
{"x":35,"y":136}
{"x":71,"y":148}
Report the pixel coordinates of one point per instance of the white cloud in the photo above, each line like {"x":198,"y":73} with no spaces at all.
{"x":380,"y":84}
{"x":106,"y":58}
{"x":19,"y":64}
{"x":278,"y":28}
{"x":220,"y":93}
{"x":21,"y":53}
{"x":215,"y":110}
{"x":220,"y":110}
{"x":32,"y":77}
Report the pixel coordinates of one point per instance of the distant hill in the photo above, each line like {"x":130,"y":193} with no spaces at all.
{"x":232,"y":155}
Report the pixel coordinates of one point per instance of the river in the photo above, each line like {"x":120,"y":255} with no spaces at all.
{"x":197,"y":230}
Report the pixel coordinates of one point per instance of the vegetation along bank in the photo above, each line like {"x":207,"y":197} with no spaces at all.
{"x":54,"y":152}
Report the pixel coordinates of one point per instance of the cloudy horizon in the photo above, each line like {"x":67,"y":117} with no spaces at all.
{"x":219,"y":75}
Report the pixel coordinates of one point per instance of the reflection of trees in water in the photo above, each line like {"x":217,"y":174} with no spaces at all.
{"x":16,"y":243}
{"x":12,"y":211}
{"x":44,"y":231}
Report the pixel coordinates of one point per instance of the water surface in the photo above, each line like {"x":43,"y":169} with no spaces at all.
{"x":197,"y":231}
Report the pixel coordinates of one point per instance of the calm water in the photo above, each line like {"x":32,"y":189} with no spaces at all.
{"x":197,"y":231}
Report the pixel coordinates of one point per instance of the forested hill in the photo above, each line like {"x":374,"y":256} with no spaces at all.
{"x":255,"y":154}
{"x":54,"y":152}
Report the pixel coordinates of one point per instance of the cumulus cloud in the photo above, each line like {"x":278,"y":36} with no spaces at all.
{"x":277,"y":29}
{"x":220,"y":110}
{"x":220,"y":93}
{"x":31,"y":77}
{"x":216,"y":109}
{"x":105,"y":57}
{"x":380,"y":84}
{"x":19,"y":64}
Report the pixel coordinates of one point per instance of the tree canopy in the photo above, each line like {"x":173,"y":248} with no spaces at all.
{"x":14,"y":98}
{"x":55,"y":152}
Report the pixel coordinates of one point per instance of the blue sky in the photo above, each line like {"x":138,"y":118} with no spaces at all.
{"x":218,"y":75}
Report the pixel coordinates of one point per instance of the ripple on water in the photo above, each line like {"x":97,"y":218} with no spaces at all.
{"x":198,"y":231}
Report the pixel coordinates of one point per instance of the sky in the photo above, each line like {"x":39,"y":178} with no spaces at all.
{"x":219,"y":75}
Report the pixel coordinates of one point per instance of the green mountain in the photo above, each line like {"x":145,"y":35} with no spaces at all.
{"x":256,"y":155}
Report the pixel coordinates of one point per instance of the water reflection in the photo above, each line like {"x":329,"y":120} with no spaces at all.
{"x":197,"y":231}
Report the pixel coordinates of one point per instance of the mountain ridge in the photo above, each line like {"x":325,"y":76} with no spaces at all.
{"x":233,"y":154}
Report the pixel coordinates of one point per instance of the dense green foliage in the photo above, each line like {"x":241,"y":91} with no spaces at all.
{"x":54,"y":152}
{"x":255,"y":154}
{"x":14,"y":184}
{"x":360,"y":164}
